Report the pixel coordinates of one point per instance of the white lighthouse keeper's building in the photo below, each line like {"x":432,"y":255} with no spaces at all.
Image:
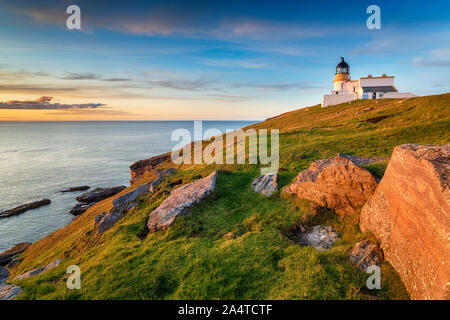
{"x":345,"y":89}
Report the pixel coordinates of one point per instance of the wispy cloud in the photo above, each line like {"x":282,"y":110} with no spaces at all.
{"x":434,"y":58}
{"x":80,"y":76}
{"x":45,"y":103}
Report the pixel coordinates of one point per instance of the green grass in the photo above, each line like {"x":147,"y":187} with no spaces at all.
{"x":235,"y":244}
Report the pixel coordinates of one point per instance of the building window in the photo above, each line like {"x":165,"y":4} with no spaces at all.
{"x":342,"y":86}
{"x":354,"y":89}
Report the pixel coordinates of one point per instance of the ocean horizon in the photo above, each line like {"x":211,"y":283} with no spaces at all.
{"x":39,"y":159}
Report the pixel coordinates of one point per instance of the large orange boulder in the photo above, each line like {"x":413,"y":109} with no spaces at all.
{"x":339,"y":183}
{"x":410,"y":215}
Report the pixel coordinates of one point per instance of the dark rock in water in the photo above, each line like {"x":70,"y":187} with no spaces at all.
{"x":25,"y":207}
{"x":82,"y":188}
{"x":7,"y":256}
{"x":180,"y":201}
{"x":81,"y":208}
{"x":139,"y":168}
{"x":9,"y":292}
{"x":37,"y":271}
{"x":99,"y":194}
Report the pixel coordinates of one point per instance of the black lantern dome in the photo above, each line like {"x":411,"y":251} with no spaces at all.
{"x":342,"y":67}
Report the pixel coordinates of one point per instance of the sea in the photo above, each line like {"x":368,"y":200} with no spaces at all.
{"x":39,"y":159}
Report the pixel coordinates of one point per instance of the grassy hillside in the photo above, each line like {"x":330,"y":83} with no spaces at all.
{"x":235,"y":244}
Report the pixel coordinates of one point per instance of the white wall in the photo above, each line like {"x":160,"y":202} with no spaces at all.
{"x":333,"y":99}
{"x":376,"y":82}
{"x":398,"y":95}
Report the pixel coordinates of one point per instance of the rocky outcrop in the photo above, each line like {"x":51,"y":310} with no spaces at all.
{"x":9,"y":292}
{"x":37,"y":271}
{"x":365,"y":254}
{"x":359,"y":160}
{"x":8,"y":255}
{"x":139,"y":168}
{"x":4,"y":274}
{"x":336,"y":183}
{"x":126,"y":202}
{"x":320,"y":237}
{"x":266,"y":185}
{"x":25,"y":207}
{"x":73,"y":189}
{"x":99,"y":194}
{"x":80,"y":208}
{"x":180,"y":201}
{"x":410,"y":215}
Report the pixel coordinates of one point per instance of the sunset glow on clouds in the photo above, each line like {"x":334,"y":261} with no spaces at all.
{"x":176,"y":60}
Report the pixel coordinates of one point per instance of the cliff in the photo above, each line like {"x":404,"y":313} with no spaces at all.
{"x":237,"y":243}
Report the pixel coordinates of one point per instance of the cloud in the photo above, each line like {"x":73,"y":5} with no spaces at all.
{"x":278,"y":86}
{"x":434,"y":58}
{"x":44,"y":103}
{"x":80,"y":76}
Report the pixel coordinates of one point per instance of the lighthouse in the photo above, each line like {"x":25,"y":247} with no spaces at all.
{"x":345,"y":89}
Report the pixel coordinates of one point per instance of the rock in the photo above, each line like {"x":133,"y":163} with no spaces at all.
{"x":25,"y":207}
{"x":321,"y":237}
{"x":139,"y":168}
{"x":365,"y":254}
{"x":180,"y":201}
{"x":126,"y":202}
{"x":376,"y":119}
{"x":410,"y":215}
{"x":99,"y":194}
{"x":7,"y":256}
{"x":9,"y":292}
{"x":335,"y":183}
{"x":82,"y":188}
{"x":37,"y":271}
{"x":4,"y":274}
{"x":80,"y":208}
{"x":359,"y":160}
{"x":266,"y":184}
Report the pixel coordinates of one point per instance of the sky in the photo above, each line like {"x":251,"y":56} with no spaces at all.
{"x":208,"y":60}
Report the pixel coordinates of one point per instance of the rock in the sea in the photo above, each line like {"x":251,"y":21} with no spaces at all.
{"x":25,"y":207}
{"x":7,"y":256}
{"x":335,"y":183}
{"x":73,"y":189}
{"x":9,"y":292}
{"x":126,"y":202}
{"x":410,"y":215}
{"x":139,"y":168}
{"x":99,"y":194}
{"x":37,"y":271}
{"x":180,"y":201}
{"x":320,"y":237}
{"x":4,"y":274}
{"x":365,"y":254}
{"x":80,"y":208}
{"x":266,"y":184}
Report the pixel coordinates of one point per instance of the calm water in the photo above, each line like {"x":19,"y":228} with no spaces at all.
{"x":37,"y":160}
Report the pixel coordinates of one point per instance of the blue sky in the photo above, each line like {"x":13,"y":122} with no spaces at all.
{"x":208,"y":59}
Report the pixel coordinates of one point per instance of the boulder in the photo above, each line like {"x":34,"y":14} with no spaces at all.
{"x":335,"y":183}
{"x":139,"y":168}
{"x":25,"y":207}
{"x":180,"y":201}
{"x":410,"y":215}
{"x":4,"y":274}
{"x":365,"y":254}
{"x":266,"y":185}
{"x":100,"y":194}
{"x":73,"y":189}
{"x":37,"y":271}
{"x":8,"y":255}
{"x":126,"y":202}
{"x":320,"y":237}
{"x":9,"y":292}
